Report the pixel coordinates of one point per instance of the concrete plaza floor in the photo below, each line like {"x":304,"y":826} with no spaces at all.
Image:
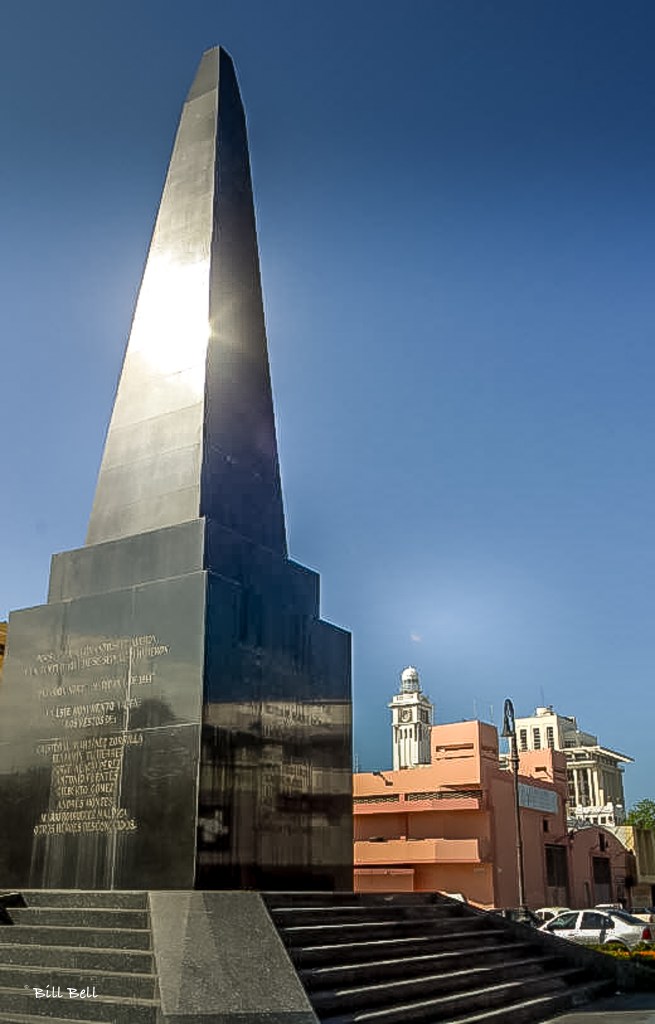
{"x":631,"y":1008}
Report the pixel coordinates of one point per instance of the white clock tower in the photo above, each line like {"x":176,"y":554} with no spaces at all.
{"x":412,"y":720}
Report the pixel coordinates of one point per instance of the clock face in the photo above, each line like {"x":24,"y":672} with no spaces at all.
{"x":405,"y":715}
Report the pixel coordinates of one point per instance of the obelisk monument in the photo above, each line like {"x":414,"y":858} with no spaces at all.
{"x":178,"y":715}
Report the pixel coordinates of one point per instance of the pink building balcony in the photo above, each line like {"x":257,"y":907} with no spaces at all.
{"x":428,"y":801}
{"x":420,"y":851}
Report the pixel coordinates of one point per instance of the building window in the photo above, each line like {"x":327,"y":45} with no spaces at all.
{"x":602,"y":878}
{"x":550,"y":737}
{"x":556,"y":867}
{"x":536,"y":737}
{"x":523,"y":739}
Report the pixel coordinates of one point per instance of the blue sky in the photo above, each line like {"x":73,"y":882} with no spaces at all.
{"x":455,"y":208}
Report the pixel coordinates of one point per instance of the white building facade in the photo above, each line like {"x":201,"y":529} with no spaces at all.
{"x":595,"y":773}
{"x":412,"y":719}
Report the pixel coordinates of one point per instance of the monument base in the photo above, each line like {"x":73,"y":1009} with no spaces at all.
{"x":172,"y":727}
{"x":173,"y":957}
{"x":180,"y":957}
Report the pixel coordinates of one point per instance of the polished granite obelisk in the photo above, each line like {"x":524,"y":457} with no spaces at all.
{"x":178,"y":715}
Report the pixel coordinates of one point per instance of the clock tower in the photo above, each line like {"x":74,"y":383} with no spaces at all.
{"x":412,"y":720}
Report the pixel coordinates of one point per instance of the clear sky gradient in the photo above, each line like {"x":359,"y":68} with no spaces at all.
{"x":455,"y":207}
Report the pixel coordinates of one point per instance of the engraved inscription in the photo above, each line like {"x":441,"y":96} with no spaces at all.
{"x":86,"y":776}
{"x":99,"y":700}
{"x":83,"y":689}
{"x":120,"y":651}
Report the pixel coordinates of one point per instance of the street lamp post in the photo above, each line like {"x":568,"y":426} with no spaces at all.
{"x":509,"y":732}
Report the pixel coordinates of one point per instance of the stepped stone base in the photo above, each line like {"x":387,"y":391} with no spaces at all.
{"x":147,"y":958}
{"x":283,"y":958}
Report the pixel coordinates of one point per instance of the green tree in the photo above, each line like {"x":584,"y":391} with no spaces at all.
{"x":642,"y":815}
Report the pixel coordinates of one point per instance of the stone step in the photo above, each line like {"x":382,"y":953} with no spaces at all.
{"x":334,"y":954}
{"x":330,"y":899}
{"x":114,"y":1009}
{"x":79,"y":917}
{"x":301,"y":935}
{"x":286,"y":917}
{"x":317,"y":978}
{"x":48,"y":935}
{"x":30,"y":1018}
{"x":122,"y":960}
{"x":106,"y":983}
{"x":443,"y":1007}
{"x":108,"y":899}
{"x":457,"y":982}
{"x":540,"y":1008}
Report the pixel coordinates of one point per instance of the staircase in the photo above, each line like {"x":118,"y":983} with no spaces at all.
{"x":396,"y":959}
{"x":78,"y":940}
{"x":414,"y":958}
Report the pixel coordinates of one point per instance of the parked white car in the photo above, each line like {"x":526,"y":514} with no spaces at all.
{"x":599,"y":927}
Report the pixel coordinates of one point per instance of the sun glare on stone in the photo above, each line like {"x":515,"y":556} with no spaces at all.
{"x":171,"y":323}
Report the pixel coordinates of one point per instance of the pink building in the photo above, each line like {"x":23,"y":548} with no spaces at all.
{"x":602,"y":869}
{"x":450,"y":826}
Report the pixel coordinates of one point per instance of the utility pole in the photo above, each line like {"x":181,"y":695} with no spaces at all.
{"x":509,"y":732}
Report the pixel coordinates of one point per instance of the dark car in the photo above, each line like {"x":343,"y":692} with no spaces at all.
{"x":646,"y":914}
{"x":519,"y":916}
